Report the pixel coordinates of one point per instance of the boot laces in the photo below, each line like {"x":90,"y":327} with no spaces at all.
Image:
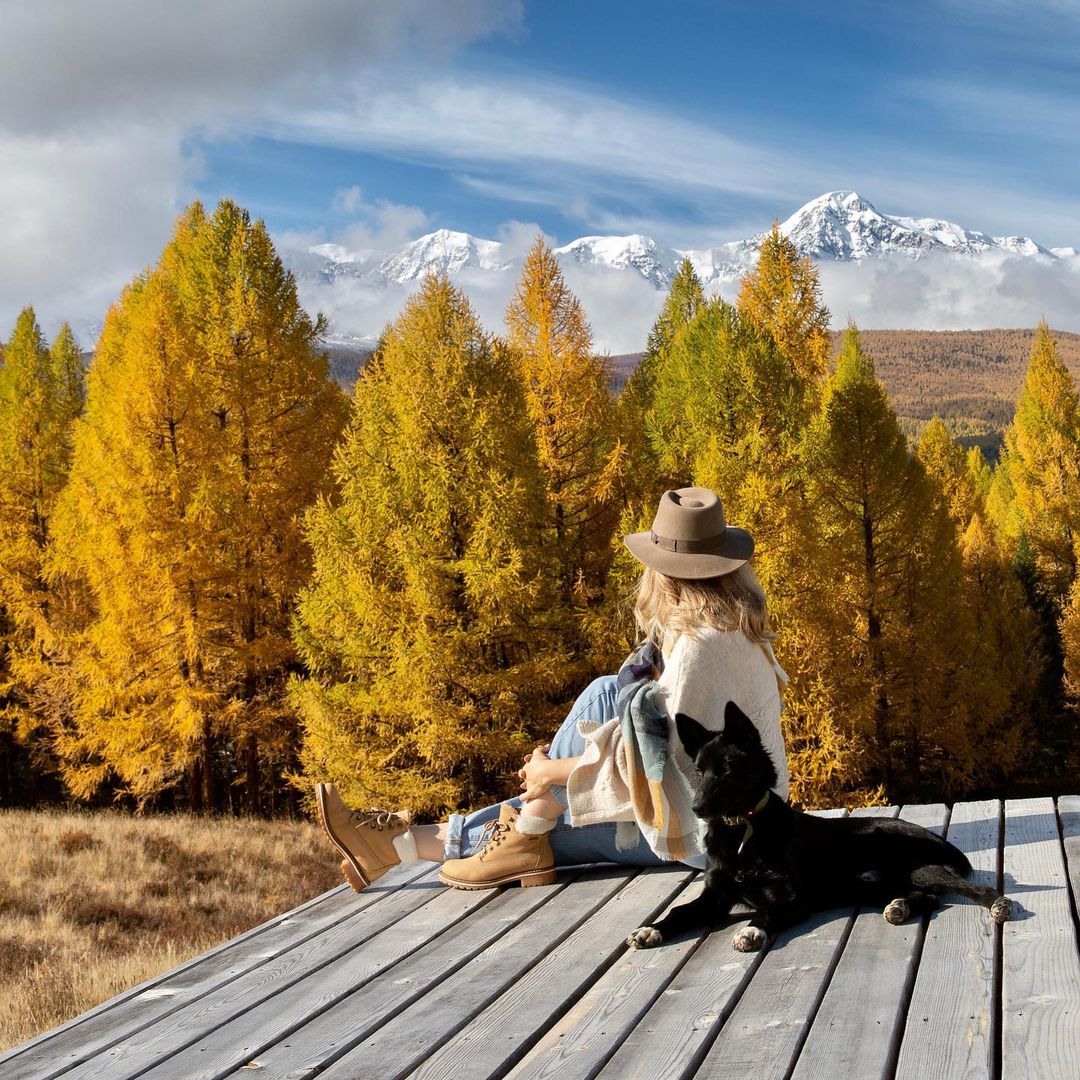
{"x":376,"y":819}
{"x":493,"y":832}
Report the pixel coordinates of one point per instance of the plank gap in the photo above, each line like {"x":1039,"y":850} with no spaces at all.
{"x":1068,"y":874}
{"x":904,"y":1009}
{"x":999,"y":954}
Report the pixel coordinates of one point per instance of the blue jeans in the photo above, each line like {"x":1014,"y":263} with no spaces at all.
{"x":571,"y":846}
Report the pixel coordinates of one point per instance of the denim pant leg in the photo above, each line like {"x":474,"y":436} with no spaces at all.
{"x":570,"y":846}
{"x":597,"y":701}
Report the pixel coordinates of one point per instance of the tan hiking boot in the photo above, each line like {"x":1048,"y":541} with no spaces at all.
{"x":372,"y":841}
{"x":506,"y":856}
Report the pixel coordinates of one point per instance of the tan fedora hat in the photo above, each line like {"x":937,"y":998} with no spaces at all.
{"x":690,"y":538}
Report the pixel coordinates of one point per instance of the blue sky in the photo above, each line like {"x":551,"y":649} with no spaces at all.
{"x":961,"y":110}
{"x":370,"y":122}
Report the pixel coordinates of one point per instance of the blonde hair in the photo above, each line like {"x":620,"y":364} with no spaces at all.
{"x":732,"y":601}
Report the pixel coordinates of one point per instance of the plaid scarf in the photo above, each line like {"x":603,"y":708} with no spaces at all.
{"x":661,"y":794}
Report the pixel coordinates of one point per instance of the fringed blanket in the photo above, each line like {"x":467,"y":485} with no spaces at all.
{"x":661,"y":796}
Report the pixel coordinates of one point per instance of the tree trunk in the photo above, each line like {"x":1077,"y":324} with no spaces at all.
{"x":251,"y":763}
{"x":7,"y":796}
{"x":210,"y":795}
{"x":877,"y":654}
{"x":195,"y":794}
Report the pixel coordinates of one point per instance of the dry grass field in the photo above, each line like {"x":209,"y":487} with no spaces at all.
{"x":91,"y":904}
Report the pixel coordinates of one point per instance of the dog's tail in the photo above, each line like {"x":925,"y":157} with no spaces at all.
{"x":946,"y":879}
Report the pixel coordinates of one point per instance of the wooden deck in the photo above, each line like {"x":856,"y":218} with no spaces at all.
{"x":411,"y":979}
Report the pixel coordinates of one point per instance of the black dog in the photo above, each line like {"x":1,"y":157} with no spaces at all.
{"x":785,"y":864}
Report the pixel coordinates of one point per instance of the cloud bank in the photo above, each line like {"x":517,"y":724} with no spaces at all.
{"x":938,"y":292}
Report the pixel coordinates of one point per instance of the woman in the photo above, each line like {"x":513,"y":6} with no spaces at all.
{"x":587,"y":797}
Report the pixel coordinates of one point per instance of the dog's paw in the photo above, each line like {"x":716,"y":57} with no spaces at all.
{"x":1002,"y":909}
{"x":645,"y":937}
{"x":897,"y":912}
{"x":749,"y":939}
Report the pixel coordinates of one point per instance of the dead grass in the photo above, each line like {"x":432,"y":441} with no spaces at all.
{"x":92,"y":904}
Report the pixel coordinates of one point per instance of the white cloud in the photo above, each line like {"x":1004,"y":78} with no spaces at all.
{"x":530,"y":123}
{"x":98,"y":104}
{"x":85,"y":213}
{"x":64,"y":63}
{"x":943,"y":292}
{"x":620,"y":305}
{"x":517,"y":237}
{"x":618,"y":163}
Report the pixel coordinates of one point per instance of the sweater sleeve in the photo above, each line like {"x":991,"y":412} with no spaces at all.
{"x":597,"y":789}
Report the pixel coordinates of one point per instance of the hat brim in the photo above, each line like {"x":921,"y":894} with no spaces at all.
{"x":737,"y":547}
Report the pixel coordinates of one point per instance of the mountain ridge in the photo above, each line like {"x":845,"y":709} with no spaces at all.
{"x":836,"y":226}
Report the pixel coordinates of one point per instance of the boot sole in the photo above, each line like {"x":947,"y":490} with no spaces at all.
{"x":528,"y":880}
{"x":353,"y":874}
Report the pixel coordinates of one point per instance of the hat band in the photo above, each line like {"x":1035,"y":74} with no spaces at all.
{"x":708,"y":546}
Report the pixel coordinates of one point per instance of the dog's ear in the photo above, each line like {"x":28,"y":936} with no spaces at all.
{"x":738,"y":727}
{"x":692,"y":734}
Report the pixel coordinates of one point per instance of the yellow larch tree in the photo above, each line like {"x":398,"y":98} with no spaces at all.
{"x":574,"y":422}
{"x":1034,"y":504}
{"x":1070,"y":638}
{"x":1037,"y":483}
{"x":888,"y":550}
{"x":209,"y":425}
{"x":40,"y":397}
{"x":944,"y":459}
{"x":994,"y":634}
{"x":782,"y":295}
{"x":431,"y":627}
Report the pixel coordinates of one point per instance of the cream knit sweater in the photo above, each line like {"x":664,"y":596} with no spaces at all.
{"x":699,"y":678}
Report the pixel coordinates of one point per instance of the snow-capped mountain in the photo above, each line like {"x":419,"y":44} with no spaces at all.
{"x":842,"y":225}
{"x":444,"y":251}
{"x":837,"y":226}
{"x":651,"y":260}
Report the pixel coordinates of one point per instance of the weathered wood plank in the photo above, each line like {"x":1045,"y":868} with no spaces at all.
{"x":126,"y":1014}
{"x":763,"y":1035}
{"x":132,"y":1056}
{"x":857,"y":1029}
{"x":1040,"y":963}
{"x":588,"y":1029}
{"x":398,"y":1047}
{"x":683,"y":1018}
{"x":361,"y":989}
{"x":336,"y":1029}
{"x":950,"y":1031}
{"x":669,"y":1040}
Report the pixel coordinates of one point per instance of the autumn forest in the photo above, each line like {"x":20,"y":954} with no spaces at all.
{"x":222,"y":578}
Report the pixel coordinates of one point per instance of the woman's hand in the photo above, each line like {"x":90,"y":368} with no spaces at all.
{"x":536,"y":774}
